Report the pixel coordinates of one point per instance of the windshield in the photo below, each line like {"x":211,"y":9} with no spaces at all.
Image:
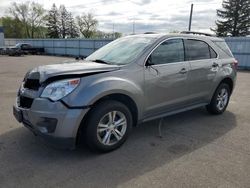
{"x":18,"y":45}
{"x":122,"y":51}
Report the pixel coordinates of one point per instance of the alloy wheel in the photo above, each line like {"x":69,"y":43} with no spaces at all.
{"x":222,"y":99}
{"x":111,"y":128}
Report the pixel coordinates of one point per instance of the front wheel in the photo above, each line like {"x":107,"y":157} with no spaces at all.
{"x":220,"y":99}
{"x":108,"y":126}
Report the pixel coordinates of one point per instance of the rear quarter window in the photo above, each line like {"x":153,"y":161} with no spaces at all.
{"x":224,"y":47}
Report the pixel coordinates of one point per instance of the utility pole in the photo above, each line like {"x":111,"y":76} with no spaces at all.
{"x":113,"y":30}
{"x":190,"y":17}
{"x":133,"y":27}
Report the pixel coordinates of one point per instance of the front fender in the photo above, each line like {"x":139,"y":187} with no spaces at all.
{"x":91,"y":90}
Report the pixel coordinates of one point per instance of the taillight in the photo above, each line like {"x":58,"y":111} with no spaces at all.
{"x":235,"y":63}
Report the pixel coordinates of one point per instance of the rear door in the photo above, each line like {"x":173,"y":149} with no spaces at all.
{"x":204,"y":66}
{"x":166,"y":78}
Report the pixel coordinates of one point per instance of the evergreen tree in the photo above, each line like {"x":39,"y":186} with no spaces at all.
{"x":63,"y":22}
{"x":234,"y":18}
{"x":53,"y":22}
{"x":73,"y":31}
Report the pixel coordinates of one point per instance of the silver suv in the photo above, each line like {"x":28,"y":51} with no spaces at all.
{"x":131,"y":80}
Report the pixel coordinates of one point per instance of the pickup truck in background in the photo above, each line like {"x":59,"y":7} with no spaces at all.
{"x":24,"y":48}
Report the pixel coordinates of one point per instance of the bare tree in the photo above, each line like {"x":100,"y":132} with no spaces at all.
{"x":30,"y":14}
{"x":21,"y":12}
{"x":87,"y":25}
{"x":36,"y":17}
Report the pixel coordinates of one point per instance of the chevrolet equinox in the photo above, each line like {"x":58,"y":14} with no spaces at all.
{"x":131,"y":80}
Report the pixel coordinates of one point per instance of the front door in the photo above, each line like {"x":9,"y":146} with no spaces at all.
{"x":166,"y":78}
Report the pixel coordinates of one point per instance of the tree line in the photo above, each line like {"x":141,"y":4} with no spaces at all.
{"x":31,"y":20}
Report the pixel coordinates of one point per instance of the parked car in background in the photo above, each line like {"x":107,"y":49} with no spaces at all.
{"x":2,"y":50}
{"x":131,"y":80}
{"x":24,"y":48}
{"x":13,"y":51}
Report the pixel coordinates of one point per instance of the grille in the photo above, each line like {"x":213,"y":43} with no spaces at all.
{"x":25,"y":102}
{"x":32,"y":84}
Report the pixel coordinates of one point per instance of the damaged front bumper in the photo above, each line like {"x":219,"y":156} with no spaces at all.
{"x":53,"y":121}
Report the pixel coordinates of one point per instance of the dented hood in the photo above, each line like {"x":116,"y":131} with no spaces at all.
{"x":42,"y":73}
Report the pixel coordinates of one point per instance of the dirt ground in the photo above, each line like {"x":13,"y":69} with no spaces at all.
{"x":196,"y":150}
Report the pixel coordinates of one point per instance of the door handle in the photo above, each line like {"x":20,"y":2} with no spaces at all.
{"x":183,"y":71}
{"x":215,"y":65}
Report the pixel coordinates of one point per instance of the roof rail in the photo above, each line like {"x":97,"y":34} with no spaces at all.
{"x":196,"y":33}
{"x":150,"y":32}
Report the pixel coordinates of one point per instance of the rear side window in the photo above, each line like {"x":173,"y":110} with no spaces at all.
{"x":224,"y":47}
{"x":169,"y":51}
{"x":196,"y":50}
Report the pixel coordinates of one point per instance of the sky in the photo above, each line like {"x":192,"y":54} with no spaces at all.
{"x":146,"y":15}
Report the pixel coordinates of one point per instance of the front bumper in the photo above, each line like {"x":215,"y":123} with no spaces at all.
{"x":53,"y":121}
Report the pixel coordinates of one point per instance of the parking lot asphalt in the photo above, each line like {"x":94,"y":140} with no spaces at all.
{"x":196,"y":149}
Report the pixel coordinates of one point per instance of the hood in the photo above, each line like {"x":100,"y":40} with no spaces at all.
{"x":80,"y":68}
{"x":12,"y":47}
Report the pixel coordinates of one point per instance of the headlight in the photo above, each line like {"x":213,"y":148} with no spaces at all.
{"x":57,"y":90}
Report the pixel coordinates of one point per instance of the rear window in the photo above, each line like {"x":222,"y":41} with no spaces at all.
{"x":224,"y":47}
{"x":196,"y":50}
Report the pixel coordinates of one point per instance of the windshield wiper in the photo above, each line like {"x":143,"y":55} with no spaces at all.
{"x":100,"y":61}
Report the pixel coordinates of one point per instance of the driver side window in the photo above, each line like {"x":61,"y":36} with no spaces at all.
{"x":169,"y":51}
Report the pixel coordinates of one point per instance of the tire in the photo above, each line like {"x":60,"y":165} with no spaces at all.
{"x":101,"y":132}
{"x":219,"y":103}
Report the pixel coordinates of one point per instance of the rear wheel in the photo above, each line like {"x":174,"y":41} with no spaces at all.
{"x":220,"y":99}
{"x":107,"y":126}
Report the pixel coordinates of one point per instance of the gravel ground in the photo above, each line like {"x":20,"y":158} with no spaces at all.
{"x":196,"y":150}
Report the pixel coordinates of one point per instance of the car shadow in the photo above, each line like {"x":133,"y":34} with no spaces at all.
{"x":26,"y":161}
